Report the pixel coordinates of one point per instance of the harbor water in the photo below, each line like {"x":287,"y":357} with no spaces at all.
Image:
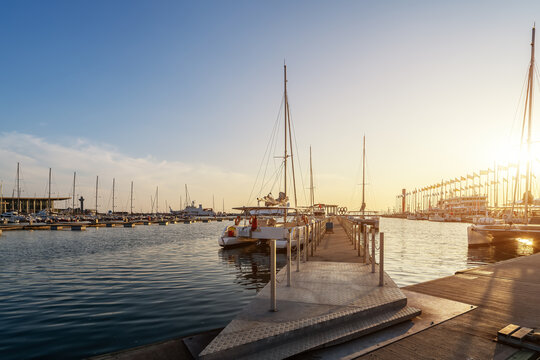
{"x":70,"y":295}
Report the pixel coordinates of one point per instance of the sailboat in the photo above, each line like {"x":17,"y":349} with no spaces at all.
{"x":493,"y":233}
{"x":365,"y":217}
{"x":273,"y":220}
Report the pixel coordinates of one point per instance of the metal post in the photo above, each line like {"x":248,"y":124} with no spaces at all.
{"x":381,"y":259}
{"x":372,"y":249}
{"x":361,"y":227}
{"x":298,"y":246}
{"x":366,"y":244}
{"x":289,"y":258}
{"x":354,"y":235}
{"x":306,"y":245}
{"x":273,"y":306}
{"x":314,"y":237}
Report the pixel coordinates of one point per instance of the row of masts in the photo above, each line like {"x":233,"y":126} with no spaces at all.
{"x":498,"y":185}
{"x":154,"y":201}
{"x":426,"y":197}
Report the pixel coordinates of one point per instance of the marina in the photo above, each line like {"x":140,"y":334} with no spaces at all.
{"x":265,"y":180}
{"x":156,"y":265}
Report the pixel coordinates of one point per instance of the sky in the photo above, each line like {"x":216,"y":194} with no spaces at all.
{"x":169,"y":93}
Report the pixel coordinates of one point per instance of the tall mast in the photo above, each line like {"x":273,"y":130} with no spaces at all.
{"x":311,"y":193}
{"x":18,"y":190}
{"x":291,"y":156}
{"x":285,"y":109}
{"x":157,"y":200}
{"x":131,"y":203}
{"x":1,"y":197}
{"x":530,"y":95}
{"x":49,"y":205}
{"x":364,"y":176}
{"x":73,"y":199}
{"x":97,"y":181}
{"x":113,"y":195}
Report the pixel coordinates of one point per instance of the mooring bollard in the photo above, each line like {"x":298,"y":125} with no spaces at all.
{"x":273,"y":306}
{"x":289,"y":255}
{"x":381,"y":259}
{"x":372,"y":249}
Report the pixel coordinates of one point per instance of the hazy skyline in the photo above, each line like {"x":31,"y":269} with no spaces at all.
{"x":173,"y":93}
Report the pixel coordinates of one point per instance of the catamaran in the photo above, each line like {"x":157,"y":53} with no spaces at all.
{"x":493,"y":233}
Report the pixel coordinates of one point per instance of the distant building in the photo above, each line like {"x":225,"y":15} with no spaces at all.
{"x":26,"y":205}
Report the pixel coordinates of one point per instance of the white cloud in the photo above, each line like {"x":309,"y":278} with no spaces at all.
{"x":88,"y":159}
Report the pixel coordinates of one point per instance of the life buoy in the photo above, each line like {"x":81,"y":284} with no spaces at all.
{"x":253,"y":222}
{"x":304,"y":217}
{"x":237,"y":220}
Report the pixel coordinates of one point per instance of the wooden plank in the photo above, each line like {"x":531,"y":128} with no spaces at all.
{"x":520,"y":334}
{"x":509,"y":329}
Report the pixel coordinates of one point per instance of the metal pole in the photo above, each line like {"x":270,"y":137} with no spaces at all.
{"x":354,"y":235}
{"x":298,"y":251}
{"x":314,"y":237}
{"x":309,"y":233}
{"x":366,"y":244}
{"x":273,"y":306}
{"x":359,"y":237}
{"x":381,"y":259}
{"x":372,"y":249}
{"x":289,"y":259}
{"x":306,"y":241}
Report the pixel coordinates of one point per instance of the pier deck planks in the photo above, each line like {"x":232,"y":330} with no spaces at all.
{"x":505,"y":293}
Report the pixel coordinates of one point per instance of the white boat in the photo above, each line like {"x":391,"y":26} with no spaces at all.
{"x":493,"y":233}
{"x":436,"y":217}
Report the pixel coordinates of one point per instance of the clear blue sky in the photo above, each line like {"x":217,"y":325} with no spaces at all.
{"x":189,"y":91}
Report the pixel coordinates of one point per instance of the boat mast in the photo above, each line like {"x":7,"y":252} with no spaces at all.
{"x":530,"y":95}
{"x":1,"y":197}
{"x":73,"y":199}
{"x":285,"y":133}
{"x":113,"y":196}
{"x":97,"y":179}
{"x":18,"y":190}
{"x":311,"y":193}
{"x":49,"y":190}
{"x":157,"y":200}
{"x":363,"y":175}
{"x":131,"y":201}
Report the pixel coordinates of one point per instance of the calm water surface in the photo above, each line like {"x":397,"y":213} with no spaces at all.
{"x":67,"y":294}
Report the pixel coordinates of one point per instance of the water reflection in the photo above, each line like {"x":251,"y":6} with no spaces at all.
{"x":252,"y":264}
